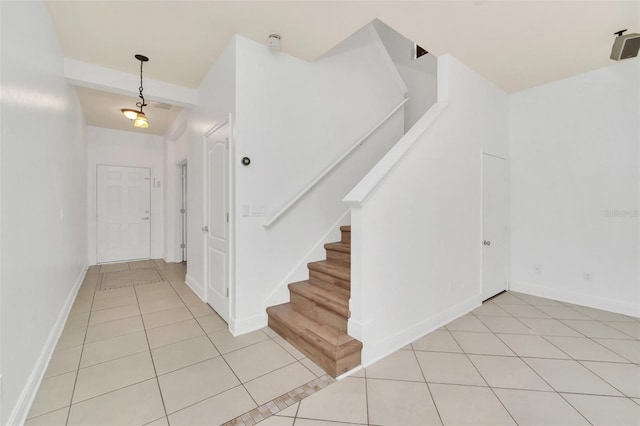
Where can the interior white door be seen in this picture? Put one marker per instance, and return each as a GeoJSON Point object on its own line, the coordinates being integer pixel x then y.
{"type": "Point", "coordinates": [217, 228]}
{"type": "Point", "coordinates": [494, 225]}
{"type": "Point", "coordinates": [123, 213]}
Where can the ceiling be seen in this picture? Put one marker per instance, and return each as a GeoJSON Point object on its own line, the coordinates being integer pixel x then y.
{"type": "Point", "coordinates": [516, 44]}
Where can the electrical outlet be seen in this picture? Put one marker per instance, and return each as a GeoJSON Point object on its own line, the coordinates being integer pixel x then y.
{"type": "Point", "coordinates": [588, 277]}
{"type": "Point", "coordinates": [537, 269]}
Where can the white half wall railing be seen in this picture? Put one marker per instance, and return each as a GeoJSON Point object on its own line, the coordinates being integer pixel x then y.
{"type": "Point", "coordinates": [271, 220]}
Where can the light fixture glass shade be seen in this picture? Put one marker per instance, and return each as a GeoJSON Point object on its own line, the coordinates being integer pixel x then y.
{"type": "Point", "coordinates": [141, 121]}
{"type": "Point", "coordinates": [131, 114]}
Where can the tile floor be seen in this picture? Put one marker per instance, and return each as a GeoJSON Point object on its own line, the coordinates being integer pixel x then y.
{"type": "Point", "coordinates": [139, 347]}
{"type": "Point", "coordinates": [155, 354]}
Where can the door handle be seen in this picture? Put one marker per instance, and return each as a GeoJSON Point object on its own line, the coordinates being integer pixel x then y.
{"type": "Point", "coordinates": [486, 243]}
{"type": "Point", "coordinates": [205, 229]}
{"type": "Point", "coordinates": [145, 218]}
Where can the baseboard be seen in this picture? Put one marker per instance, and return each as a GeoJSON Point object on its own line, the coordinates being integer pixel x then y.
{"type": "Point", "coordinates": [238, 327]}
{"type": "Point", "coordinates": [23, 405]}
{"type": "Point", "coordinates": [195, 286]}
{"type": "Point", "coordinates": [611, 305]}
{"type": "Point", "coordinates": [375, 351]}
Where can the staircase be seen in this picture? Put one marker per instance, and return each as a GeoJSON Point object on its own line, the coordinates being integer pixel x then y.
{"type": "Point", "coordinates": [315, 320]}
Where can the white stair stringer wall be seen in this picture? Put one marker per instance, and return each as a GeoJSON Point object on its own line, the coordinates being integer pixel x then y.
{"type": "Point", "coordinates": [416, 217]}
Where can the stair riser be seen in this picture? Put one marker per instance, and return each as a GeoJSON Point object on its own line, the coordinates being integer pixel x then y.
{"type": "Point", "coordinates": [339, 256]}
{"type": "Point", "coordinates": [327, 364]}
{"type": "Point", "coordinates": [318, 313]}
{"type": "Point", "coordinates": [321, 276]}
{"type": "Point", "coordinates": [346, 237]}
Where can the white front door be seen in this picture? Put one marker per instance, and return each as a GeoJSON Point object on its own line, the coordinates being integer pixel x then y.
{"type": "Point", "coordinates": [217, 228]}
{"type": "Point", "coordinates": [494, 225]}
{"type": "Point", "coordinates": [123, 213]}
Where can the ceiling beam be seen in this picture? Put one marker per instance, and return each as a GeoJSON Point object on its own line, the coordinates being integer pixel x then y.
{"type": "Point", "coordinates": [96, 77]}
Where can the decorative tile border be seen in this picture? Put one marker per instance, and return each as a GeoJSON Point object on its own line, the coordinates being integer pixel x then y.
{"type": "Point", "coordinates": [286, 400]}
{"type": "Point", "coordinates": [105, 283]}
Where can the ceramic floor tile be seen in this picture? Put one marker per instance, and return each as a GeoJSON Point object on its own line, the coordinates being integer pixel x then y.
{"type": "Point", "coordinates": [624, 377]}
{"type": "Point", "coordinates": [278, 382]}
{"type": "Point", "coordinates": [629, 349]}
{"type": "Point", "coordinates": [212, 323]}
{"type": "Point", "coordinates": [111, 267]}
{"type": "Point", "coordinates": [54, 393]}
{"type": "Point", "coordinates": [313, 367]}
{"type": "Point", "coordinates": [441, 367]}
{"type": "Point", "coordinates": [142, 264]}
{"type": "Point", "coordinates": [182, 354]}
{"type": "Point", "coordinates": [530, 408]}
{"type": "Point", "coordinates": [400, 365]}
{"type": "Point", "coordinates": [468, 405]}
{"type": "Point", "coordinates": [293, 351]}
{"type": "Point", "coordinates": [200, 309]}
{"type": "Point", "coordinates": [77, 320]}
{"type": "Point", "coordinates": [134, 405]}
{"type": "Point", "coordinates": [225, 342]}
{"type": "Point", "coordinates": [437, 341]}
{"type": "Point", "coordinates": [311, 422]}
{"type": "Point", "coordinates": [570, 376]}
{"type": "Point", "coordinates": [505, 325]}
{"type": "Point", "coordinates": [54, 418]}
{"type": "Point", "coordinates": [467, 323]}
{"type": "Point", "coordinates": [195, 383]}
{"type": "Point", "coordinates": [64, 361]}
{"type": "Point", "coordinates": [508, 372]}
{"type": "Point", "coordinates": [595, 329]}
{"type": "Point", "coordinates": [163, 421]}
{"type": "Point", "coordinates": [508, 298]}
{"type": "Point", "coordinates": [112, 329]}
{"type": "Point", "coordinates": [582, 348]}
{"type": "Point", "coordinates": [269, 332]}
{"type": "Point", "coordinates": [215, 410]}
{"type": "Point", "coordinates": [535, 300]}
{"type": "Point", "coordinates": [172, 333]}
{"type": "Point", "coordinates": [606, 410]}
{"type": "Point", "coordinates": [277, 421]}
{"type": "Point", "coordinates": [532, 346]}
{"type": "Point", "coordinates": [157, 305]}
{"type": "Point", "coordinates": [549, 327]}
{"type": "Point", "coordinates": [631, 329]}
{"type": "Point", "coordinates": [477, 343]}
{"type": "Point", "coordinates": [116, 347]}
{"type": "Point", "coordinates": [170, 316]}
{"type": "Point", "coordinates": [114, 302]}
{"type": "Point", "coordinates": [108, 376]}
{"type": "Point", "coordinates": [116, 292]}
{"type": "Point", "coordinates": [112, 314]}
{"type": "Point", "coordinates": [601, 315]}
{"type": "Point", "coordinates": [290, 411]}
{"type": "Point", "coordinates": [256, 360]}
{"type": "Point", "coordinates": [155, 291]}
{"type": "Point", "coordinates": [490, 310]}
{"type": "Point", "coordinates": [343, 401]}
{"type": "Point", "coordinates": [563, 312]}
{"type": "Point", "coordinates": [524, 311]}
{"type": "Point", "coordinates": [393, 402]}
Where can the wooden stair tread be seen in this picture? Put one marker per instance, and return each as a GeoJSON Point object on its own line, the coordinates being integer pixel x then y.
{"type": "Point", "coordinates": [345, 228]}
{"type": "Point", "coordinates": [328, 296]}
{"type": "Point", "coordinates": [329, 340]}
{"type": "Point", "coordinates": [341, 247]}
{"type": "Point", "coordinates": [332, 268]}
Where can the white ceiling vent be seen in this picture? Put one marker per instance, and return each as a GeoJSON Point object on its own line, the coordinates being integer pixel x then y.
{"type": "Point", "coordinates": [160, 105]}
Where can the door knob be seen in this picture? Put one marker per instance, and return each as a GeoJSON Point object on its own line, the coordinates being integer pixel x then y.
{"type": "Point", "coordinates": [205, 229]}
{"type": "Point", "coordinates": [486, 243]}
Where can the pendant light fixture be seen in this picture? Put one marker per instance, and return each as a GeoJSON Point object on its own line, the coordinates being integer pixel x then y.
{"type": "Point", "coordinates": [138, 117]}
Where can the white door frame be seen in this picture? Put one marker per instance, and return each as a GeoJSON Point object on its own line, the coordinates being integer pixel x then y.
{"type": "Point", "coordinates": [231, 207]}
{"type": "Point", "coordinates": [507, 223]}
{"type": "Point", "coordinates": [181, 223]}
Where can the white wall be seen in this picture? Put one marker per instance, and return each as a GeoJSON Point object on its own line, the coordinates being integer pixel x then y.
{"type": "Point", "coordinates": [216, 100]}
{"type": "Point", "coordinates": [293, 120]}
{"type": "Point", "coordinates": [575, 162]}
{"type": "Point", "coordinates": [419, 75]}
{"type": "Point", "coordinates": [121, 148]}
{"type": "Point", "coordinates": [416, 231]}
{"type": "Point", "coordinates": [43, 225]}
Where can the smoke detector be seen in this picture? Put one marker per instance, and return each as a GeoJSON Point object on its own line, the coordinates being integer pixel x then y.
{"type": "Point", "coordinates": [273, 42]}
{"type": "Point", "coordinates": [625, 46]}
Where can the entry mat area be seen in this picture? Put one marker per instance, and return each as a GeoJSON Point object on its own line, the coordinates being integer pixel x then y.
{"type": "Point", "coordinates": [146, 273]}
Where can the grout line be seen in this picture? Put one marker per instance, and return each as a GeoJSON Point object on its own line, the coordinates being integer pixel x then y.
{"type": "Point", "coordinates": [415, 355]}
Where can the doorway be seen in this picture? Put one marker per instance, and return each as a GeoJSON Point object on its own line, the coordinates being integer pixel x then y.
{"type": "Point", "coordinates": [494, 225]}
{"type": "Point", "coordinates": [123, 213]}
{"type": "Point", "coordinates": [216, 244]}
{"type": "Point", "coordinates": [182, 199]}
